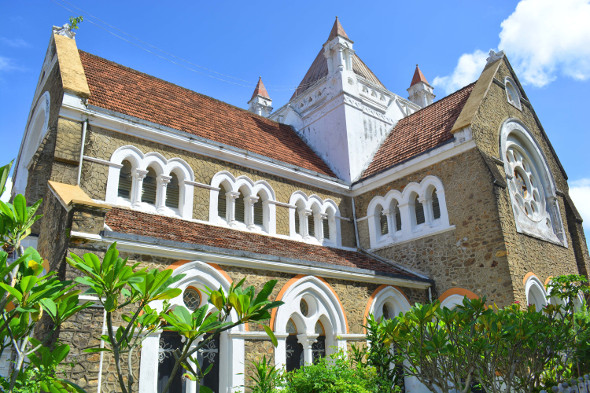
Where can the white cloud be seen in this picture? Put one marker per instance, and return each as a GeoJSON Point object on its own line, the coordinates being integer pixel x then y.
{"type": "Point", "coordinates": [544, 37]}
{"type": "Point", "coordinates": [14, 42]}
{"type": "Point", "coordinates": [467, 70]}
{"type": "Point", "coordinates": [580, 193]}
{"type": "Point", "coordinates": [6, 196]}
{"type": "Point", "coordinates": [6, 64]}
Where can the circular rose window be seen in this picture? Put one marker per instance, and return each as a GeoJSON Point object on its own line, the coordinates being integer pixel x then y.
{"type": "Point", "coordinates": [524, 184]}
{"type": "Point", "coordinates": [191, 298]}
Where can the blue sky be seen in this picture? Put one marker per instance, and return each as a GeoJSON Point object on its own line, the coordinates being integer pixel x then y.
{"type": "Point", "coordinates": [220, 48]}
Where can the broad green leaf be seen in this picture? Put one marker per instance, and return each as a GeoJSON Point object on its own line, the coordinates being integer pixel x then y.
{"type": "Point", "coordinates": [13, 291]}
{"type": "Point", "coordinates": [271, 335]}
{"type": "Point", "coordinates": [20, 208]}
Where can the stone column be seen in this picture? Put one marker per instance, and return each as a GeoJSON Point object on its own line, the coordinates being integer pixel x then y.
{"type": "Point", "coordinates": [163, 181]}
{"type": "Point", "coordinates": [230, 206]}
{"type": "Point", "coordinates": [137, 186]}
{"type": "Point", "coordinates": [306, 342]}
{"type": "Point", "coordinates": [249, 205]}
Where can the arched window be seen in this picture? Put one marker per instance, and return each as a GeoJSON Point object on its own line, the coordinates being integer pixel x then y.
{"type": "Point", "coordinates": [314, 220]}
{"type": "Point", "coordinates": [418, 211]}
{"type": "Point", "coordinates": [259, 211]}
{"type": "Point", "coordinates": [125, 181]}
{"type": "Point", "coordinates": [383, 223]}
{"type": "Point", "coordinates": [240, 208]}
{"type": "Point", "coordinates": [222, 201]}
{"type": "Point", "coordinates": [313, 312]}
{"type": "Point", "coordinates": [150, 187]}
{"type": "Point", "coordinates": [225, 355]}
{"type": "Point", "coordinates": [535, 292]}
{"type": "Point", "coordinates": [435, 205]}
{"type": "Point", "coordinates": [530, 185]}
{"type": "Point", "coordinates": [512, 94]}
{"type": "Point", "coordinates": [173, 192]}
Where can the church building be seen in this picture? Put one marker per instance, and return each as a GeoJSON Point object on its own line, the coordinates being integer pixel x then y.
{"type": "Point", "coordinates": [356, 199]}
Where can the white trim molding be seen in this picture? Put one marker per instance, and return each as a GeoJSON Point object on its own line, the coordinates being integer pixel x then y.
{"type": "Point", "coordinates": [252, 194]}
{"type": "Point", "coordinates": [164, 171]}
{"type": "Point", "coordinates": [303, 209]}
{"type": "Point", "coordinates": [395, 217]}
{"type": "Point", "coordinates": [535, 293]}
{"type": "Point", "coordinates": [199, 275]}
{"type": "Point", "coordinates": [531, 185]}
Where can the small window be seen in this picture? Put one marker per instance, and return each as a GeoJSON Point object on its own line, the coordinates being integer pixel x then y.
{"type": "Point", "coordinates": [383, 223]}
{"type": "Point", "coordinates": [297, 222]}
{"type": "Point", "coordinates": [191, 298]}
{"type": "Point", "coordinates": [311, 225]}
{"type": "Point", "coordinates": [326, 226]}
{"type": "Point", "coordinates": [419, 210]}
{"type": "Point", "coordinates": [150, 185]}
{"type": "Point", "coordinates": [512, 94]}
{"type": "Point", "coordinates": [222, 203]}
{"type": "Point", "coordinates": [240, 209]}
{"type": "Point", "coordinates": [435, 206]}
{"type": "Point", "coordinates": [173, 192]}
{"type": "Point", "coordinates": [125, 181]}
{"type": "Point", "coordinates": [398, 217]}
{"type": "Point", "coordinates": [259, 212]}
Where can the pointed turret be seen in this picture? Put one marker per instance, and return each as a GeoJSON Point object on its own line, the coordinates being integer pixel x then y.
{"type": "Point", "coordinates": [260, 103]}
{"type": "Point", "coordinates": [337, 30]}
{"type": "Point", "coordinates": [421, 93]}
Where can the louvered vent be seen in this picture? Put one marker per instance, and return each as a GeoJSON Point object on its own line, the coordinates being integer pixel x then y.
{"type": "Point", "coordinates": [311, 225]}
{"type": "Point", "coordinates": [239, 212]}
{"type": "Point", "coordinates": [125, 181]}
{"type": "Point", "coordinates": [326, 225]}
{"type": "Point", "coordinates": [383, 224]}
{"type": "Point", "coordinates": [398, 218]}
{"type": "Point", "coordinates": [150, 186]}
{"type": "Point", "coordinates": [258, 212]}
{"type": "Point", "coordinates": [297, 222]}
{"type": "Point", "coordinates": [222, 203]}
{"type": "Point", "coordinates": [173, 192]}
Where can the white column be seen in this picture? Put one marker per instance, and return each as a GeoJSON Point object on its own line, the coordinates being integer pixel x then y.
{"type": "Point", "coordinates": [163, 181]}
{"type": "Point", "coordinates": [428, 214]}
{"type": "Point", "coordinates": [404, 211]}
{"type": "Point", "coordinates": [249, 205]}
{"type": "Point", "coordinates": [137, 186]}
{"type": "Point", "coordinates": [306, 342]}
{"type": "Point", "coordinates": [230, 206]}
{"type": "Point", "coordinates": [148, 367]}
{"type": "Point", "coordinates": [305, 215]}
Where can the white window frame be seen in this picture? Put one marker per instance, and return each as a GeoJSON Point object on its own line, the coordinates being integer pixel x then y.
{"type": "Point", "coordinates": [251, 192]}
{"type": "Point", "coordinates": [323, 306]}
{"type": "Point", "coordinates": [139, 168]}
{"type": "Point", "coordinates": [198, 275]}
{"type": "Point", "coordinates": [535, 293]}
{"type": "Point", "coordinates": [405, 199]}
{"type": "Point", "coordinates": [510, 86]}
{"type": "Point", "coordinates": [313, 207]}
{"type": "Point", "coordinates": [514, 135]}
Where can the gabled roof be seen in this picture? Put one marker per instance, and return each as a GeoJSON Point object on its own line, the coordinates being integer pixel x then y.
{"type": "Point", "coordinates": [418, 77]}
{"type": "Point", "coordinates": [319, 70]}
{"type": "Point", "coordinates": [420, 132]}
{"type": "Point", "coordinates": [228, 241]}
{"type": "Point", "coordinates": [260, 90]}
{"type": "Point", "coordinates": [130, 92]}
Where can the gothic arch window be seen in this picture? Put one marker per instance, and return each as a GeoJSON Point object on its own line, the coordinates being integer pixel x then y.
{"type": "Point", "coordinates": [125, 181]}
{"type": "Point", "coordinates": [535, 292]}
{"type": "Point", "coordinates": [247, 204]}
{"type": "Point", "coordinates": [150, 182]}
{"type": "Point", "coordinates": [387, 302]}
{"type": "Point", "coordinates": [225, 354]}
{"type": "Point", "coordinates": [419, 210]}
{"type": "Point", "coordinates": [318, 324]}
{"type": "Point", "coordinates": [454, 297]}
{"type": "Point", "coordinates": [531, 185]}
{"type": "Point", "coordinates": [314, 220]}
{"type": "Point", "coordinates": [512, 93]}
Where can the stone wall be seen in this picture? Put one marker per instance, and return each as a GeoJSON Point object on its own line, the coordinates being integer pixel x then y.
{"type": "Point", "coordinates": [472, 255]}
{"type": "Point", "coordinates": [526, 253]}
{"type": "Point", "coordinates": [101, 143]}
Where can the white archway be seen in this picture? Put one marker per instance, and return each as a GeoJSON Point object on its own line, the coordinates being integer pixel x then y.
{"type": "Point", "coordinates": [325, 215]}
{"type": "Point", "coordinates": [322, 305]}
{"type": "Point", "coordinates": [198, 275]}
{"type": "Point", "coordinates": [535, 293]}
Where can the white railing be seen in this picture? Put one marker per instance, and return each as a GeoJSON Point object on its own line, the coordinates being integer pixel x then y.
{"type": "Point", "coordinates": [581, 385]}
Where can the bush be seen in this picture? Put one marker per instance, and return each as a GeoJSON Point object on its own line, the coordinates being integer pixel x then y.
{"type": "Point", "coordinates": [335, 374]}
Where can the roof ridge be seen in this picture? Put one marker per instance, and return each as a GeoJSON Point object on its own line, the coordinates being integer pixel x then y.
{"type": "Point", "coordinates": [182, 87]}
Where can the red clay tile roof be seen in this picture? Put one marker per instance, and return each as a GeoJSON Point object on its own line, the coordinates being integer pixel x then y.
{"type": "Point", "coordinates": [173, 229]}
{"type": "Point", "coordinates": [418, 77]}
{"type": "Point", "coordinates": [419, 132]}
{"type": "Point", "coordinates": [124, 90]}
{"type": "Point", "coordinates": [337, 30]}
{"type": "Point", "coordinates": [260, 90]}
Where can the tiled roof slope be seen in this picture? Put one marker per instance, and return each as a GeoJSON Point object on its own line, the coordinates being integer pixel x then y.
{"type": "Point", "coordinates": [130, 92]}
{"type": "Point", "coordinates": [319, 69]}
{"type": "Point", "coordinates": [133, 222]}
{"type": "Point", "coordinates": [419, 132]}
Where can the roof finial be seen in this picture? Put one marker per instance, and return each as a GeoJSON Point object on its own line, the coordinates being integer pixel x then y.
{"type": "Point", "coordinates": [337, 30]}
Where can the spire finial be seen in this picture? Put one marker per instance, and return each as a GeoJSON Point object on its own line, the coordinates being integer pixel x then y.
{"type": "Point", "coordinates": [337, 30]}
{"type": "Point", "coordinates": [418, 77]}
